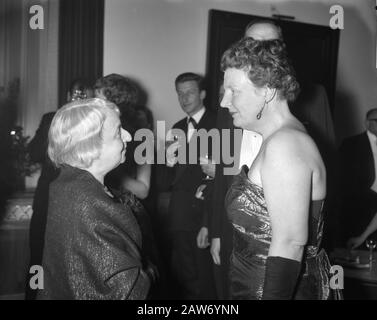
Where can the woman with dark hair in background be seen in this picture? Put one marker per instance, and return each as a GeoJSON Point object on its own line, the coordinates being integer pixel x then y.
{"type": "Point", "coordinates": [275, 206]}
{"type": "Point", "coordinates": [121, 91]}
{"type": "Point", "coordinates": [37, 148]}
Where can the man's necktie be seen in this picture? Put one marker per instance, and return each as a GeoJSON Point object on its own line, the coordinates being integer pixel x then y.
{"type": "Point", "coordinates": [191, 128]}
{"type": "Point", "coordinates": [193, 122]}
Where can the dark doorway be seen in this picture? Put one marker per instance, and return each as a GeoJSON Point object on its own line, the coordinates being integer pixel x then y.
{"type": "Point", "coordinates": [313, 50]}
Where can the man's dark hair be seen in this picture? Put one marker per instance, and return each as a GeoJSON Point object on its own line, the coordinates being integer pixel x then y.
{"type": "Point", "coordinates": [190, 76]}
{"type": "Point", "coordinates": [370, 112]}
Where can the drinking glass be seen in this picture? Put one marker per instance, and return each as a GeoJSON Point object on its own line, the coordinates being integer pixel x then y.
{"type": "Point", "coordinates": [371, 245]}
{"type": "Point", "coordinates": [207, 176]}
{"type": "Point", "coordinates": [170, 142]}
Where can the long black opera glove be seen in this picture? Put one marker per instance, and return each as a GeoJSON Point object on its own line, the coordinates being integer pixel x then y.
{"type": "Point", "coordinates": [280, 279]}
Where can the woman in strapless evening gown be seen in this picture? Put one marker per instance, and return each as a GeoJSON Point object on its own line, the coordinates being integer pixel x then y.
{"type": "Point", "coordinates": [275, 206]}
{"type": "Point", "coordinates": [248, 212]}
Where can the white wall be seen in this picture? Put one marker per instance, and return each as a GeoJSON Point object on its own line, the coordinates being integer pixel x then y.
{"type": "Point", "coordinates": [154, 40]}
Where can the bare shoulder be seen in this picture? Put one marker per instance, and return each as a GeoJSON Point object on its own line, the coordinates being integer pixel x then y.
{"type": "Point", "coordinates": [292, 145]}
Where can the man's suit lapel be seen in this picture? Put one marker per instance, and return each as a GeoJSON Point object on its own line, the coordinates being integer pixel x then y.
{"type": "Point", "coordinates": [369, 155]}
{"type": "Point", "coordinates": [181, 167]}
{"type": "Point", "coordinates": [203, 121]}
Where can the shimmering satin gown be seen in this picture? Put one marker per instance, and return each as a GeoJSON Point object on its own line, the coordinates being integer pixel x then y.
{"type": "Point", "coordinates": [248, 213]}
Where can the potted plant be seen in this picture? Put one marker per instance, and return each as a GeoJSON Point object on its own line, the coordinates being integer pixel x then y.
{"type": "Point", "coordinates": [21, 163]}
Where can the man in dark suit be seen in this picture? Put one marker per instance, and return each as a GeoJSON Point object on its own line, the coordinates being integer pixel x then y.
{"type": "Point", "coordinates": [191, 265]}
{"type": "Point", "coordinates": [358, 155]}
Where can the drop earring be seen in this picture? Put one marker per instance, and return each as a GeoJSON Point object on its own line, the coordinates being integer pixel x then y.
{"type": "Point", "coordinates": [259, 115]}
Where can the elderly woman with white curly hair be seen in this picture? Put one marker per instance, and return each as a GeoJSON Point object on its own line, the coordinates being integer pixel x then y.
{"type": "Point", "coordinates": [92, 242]}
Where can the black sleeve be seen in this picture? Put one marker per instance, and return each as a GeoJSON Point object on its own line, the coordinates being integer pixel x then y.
{"type": "Point", "coordinates": [218, 217]}
{"type": "Point", "coordinates": [217, 214]}
{"type": "Point", "coordinates": [207, 206]}
{"type": "Point", "coordinates": [38, 145]}
{"type": "Point", "coordinates": [280, 278]}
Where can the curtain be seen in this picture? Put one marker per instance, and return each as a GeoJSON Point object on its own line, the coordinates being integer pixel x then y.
{"type": "Point", "coordinates": [10, 44]}
{"type": "Point", "coordinates": [80, 42]}
{"type": "Point", "coordinates": [39, 65]}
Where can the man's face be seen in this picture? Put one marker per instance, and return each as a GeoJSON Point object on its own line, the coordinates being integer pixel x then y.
{"type": "Point", "coordinates": [190, 97]}
{"type": "Point", "coordinates": [262, 31]}
{"type": "Point", "coordinates": [372, 123]}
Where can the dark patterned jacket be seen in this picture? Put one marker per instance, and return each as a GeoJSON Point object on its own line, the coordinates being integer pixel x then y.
{"type": "Point", "coordinates": [92, 243]}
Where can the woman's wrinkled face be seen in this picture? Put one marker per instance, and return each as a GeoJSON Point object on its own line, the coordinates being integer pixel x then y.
{"type": "Point", "coordinates": [243, 99]}
{"type": "Point", "coordinates": [114, 139]}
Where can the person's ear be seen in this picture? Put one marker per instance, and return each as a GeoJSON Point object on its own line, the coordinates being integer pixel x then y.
{"type": "Point", "coordinates": [367, 124]}
{"type": "Point", "coordinates": [203, 94]}
{"type": "Point", "coordinates": [262, 92]}
{"type": "Point", "coordinates": [270, 94]}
